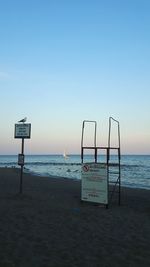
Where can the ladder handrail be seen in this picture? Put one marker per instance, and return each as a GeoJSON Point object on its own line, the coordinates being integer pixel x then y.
{"type": "Point", "coordinates": [109, 134]}
{"type": "Point", "coordinates": [83, 124]}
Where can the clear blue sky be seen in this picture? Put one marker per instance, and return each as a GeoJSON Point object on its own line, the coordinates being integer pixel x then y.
{"type": "Point", "coordinates": [64, 61]}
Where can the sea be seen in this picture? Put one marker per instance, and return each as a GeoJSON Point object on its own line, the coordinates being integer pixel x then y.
{"type": "Point", "coordinates": [135, 169]}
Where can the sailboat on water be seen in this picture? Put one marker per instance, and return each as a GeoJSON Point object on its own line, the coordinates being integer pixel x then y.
{"type": "Point", "coordinates": [65, 155]}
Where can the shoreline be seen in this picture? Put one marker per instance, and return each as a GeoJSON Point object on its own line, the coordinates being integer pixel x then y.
{"type": "Point", "coordinates": [47, 225]}
{"type": "Point", "coordinates": [134, 170]}
{"type": "Point", "coordinates": [38, 174]}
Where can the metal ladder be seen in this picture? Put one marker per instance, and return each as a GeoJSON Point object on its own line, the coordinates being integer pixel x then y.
{"type": "Point", "coordinates": [114, 184]}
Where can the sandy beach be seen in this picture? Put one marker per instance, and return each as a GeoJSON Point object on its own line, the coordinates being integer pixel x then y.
{"type": "Point", "coordinates": [48, 226]}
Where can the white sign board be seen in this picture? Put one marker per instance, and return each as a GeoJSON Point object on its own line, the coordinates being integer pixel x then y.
{"type": "Point", "coordinates": [94, 183]}
{"type": "Point", "coordinates": [22, 130]}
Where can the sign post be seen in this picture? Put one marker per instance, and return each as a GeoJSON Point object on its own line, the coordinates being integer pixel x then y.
{"type": "Point", "coordinates": [22, 131]}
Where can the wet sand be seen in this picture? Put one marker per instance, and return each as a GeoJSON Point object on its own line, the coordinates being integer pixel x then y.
{"type": "Point", "coordinates": [48, 226]}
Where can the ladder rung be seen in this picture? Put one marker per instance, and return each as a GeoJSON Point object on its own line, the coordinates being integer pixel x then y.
{"type": "Point", "coordinates": [113, 164]}
{"type": "Point", "coordinates": [111, 182]}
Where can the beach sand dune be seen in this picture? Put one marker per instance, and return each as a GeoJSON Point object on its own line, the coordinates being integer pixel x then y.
{"type": "Point", "coordinates": [48, 226]}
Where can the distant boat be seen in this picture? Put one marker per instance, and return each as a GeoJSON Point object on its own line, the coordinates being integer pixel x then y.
{"type": "Point", "coordinates": [65, 155]}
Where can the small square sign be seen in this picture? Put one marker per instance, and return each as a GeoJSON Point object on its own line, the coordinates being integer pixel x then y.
{"type": "Point", "coordinates": [21, 159]}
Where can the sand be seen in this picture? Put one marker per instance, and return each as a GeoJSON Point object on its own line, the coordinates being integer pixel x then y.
{"type": "Point", "coordinates": [48, 226]}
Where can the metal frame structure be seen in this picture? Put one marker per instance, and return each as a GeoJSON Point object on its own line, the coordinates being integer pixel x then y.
{"type": "Point", "coordinates": [114, 169]}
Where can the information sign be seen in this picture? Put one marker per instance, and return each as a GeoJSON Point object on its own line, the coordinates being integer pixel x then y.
{"type": "Point", "coordinates": [22, 130]}
{"type": "Point", "coordinates": [21, 159]}
{"type": "Point", "coordinates": [94, 183]}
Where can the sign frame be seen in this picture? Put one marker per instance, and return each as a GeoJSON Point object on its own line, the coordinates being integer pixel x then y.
{"type": "Point", "coordinates": [22, 130]}
{"type": "Point", "coordinates": [94, 184]}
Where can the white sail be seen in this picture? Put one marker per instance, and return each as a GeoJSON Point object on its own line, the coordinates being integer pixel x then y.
{"type": "Point", "coordinates": [65, 155]}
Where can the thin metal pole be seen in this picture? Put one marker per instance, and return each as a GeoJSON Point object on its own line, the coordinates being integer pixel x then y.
{"type": "Point", "coordinates": [21, 174]}
{"type": "Point", "coordinates": [95, 134]}
{"type": "Point", "coordinates": [95, 154]}
{"type": "Point", "coordinates": [82, 142]}
{"type": "Point", "coordinates": [119, 178]}
{"type": "Point", "coordinates": [82, 138]}
{"type": "Point", "coordinates": [119, 154]}
{"type": "Point", "coordinates": [109, 132]}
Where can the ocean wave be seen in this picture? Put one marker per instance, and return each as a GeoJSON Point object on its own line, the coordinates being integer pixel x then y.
{"type": "Point", "coordinates": [42, 163]}
{"type": "Point", "coordinates": [39, 163]}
